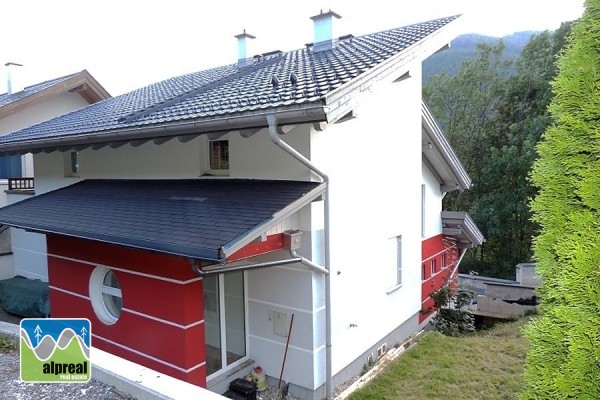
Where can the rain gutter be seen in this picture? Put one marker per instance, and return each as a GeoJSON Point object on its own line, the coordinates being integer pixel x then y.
{"type": "Point", "coordinates": [297, 114]}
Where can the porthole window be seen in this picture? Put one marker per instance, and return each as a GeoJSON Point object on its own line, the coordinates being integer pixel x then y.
{"type": "Point", "coordinates": [105, 294]}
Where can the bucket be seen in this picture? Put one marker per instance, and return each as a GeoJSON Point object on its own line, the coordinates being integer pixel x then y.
{"type": "Point", "coordinates": [259, 378]}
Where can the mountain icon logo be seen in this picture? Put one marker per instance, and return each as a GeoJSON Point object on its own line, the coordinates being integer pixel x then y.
{"type": "Point", "coordinates": [55, 350]}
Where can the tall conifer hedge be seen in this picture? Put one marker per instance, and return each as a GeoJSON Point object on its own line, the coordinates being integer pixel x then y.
{"type": "Point", "coordinates": [564, 358]}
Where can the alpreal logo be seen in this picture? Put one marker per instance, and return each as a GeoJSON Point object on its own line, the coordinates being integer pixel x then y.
{"type": "Point", "coordinates": [55, 350]}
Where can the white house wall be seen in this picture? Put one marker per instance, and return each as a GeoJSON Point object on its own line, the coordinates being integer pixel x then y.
{"type": "Point", "coordinates": [37, 113]}
{"type": "Point", "coordinates": [374, 163]}
{"type": "Point", "coordinates": [42, 111]}
{"type": "Point", "coordinates": [432, 204]}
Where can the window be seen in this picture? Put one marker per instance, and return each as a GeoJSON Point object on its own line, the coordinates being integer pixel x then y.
{"type": "Point", "coordinates": [219, 155]}
{"type": "Point", "coordinates": [433, 266]}
{"type": "Point", "coordinates": [423, 272]}
{"type": "Point", "coordinates": [422, 210]}
{"type": "Point", "coordinates": [398, 260]}
{"type": "Point", "coordinates": [444, 265]}
{"type": "Point", "coordinates": [11, 167]}
{"type": "Point", "coordinates": [224, 320]}
{"type": "Point", "coordinates": [71, 163]}
{"type": "Point", "coordinates": [105, 294]}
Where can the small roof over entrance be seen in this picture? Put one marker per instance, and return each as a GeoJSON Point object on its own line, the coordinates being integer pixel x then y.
{"type": "Point", "coordinates": [460, 225]}
{"type": "Point", "coordinates": [206, 219]}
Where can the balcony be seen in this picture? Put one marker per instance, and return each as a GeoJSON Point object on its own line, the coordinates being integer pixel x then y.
{"type": "Point", "coordinates": [20, 184]}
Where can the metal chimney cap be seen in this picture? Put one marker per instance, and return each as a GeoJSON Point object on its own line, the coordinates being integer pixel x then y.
{"type": "Point", "coordinates": [328, 14]}
{"type": "Point", "coordinates": [245, 35]}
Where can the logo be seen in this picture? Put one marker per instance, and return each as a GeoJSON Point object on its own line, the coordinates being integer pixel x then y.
{"type": "Point", "coordinates": [55, 350]}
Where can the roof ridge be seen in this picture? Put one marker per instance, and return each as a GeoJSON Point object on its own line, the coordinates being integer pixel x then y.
{"type": "Point", "coordinates": [204, 88]}
{"type": "Point", "coordinates": [60, 78]}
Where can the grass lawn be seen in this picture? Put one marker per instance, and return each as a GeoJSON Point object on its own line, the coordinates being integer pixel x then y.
{"type": "Point", "coordinates": [485, 365]}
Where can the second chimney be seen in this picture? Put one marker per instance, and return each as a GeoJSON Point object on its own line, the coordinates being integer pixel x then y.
{"type": "Point", "coordinates": [243, 44]}
{"type": "Point", "coordinates": [323, 25]}
{"type": "Point", "coordinates": [11, 87]}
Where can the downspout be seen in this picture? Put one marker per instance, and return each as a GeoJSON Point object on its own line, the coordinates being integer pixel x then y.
{"type": "Point", "coordinates": [273, 134]}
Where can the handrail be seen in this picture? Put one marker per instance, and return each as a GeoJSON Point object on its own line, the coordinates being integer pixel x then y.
{"type": "Point", "coordinates": [21, 184]}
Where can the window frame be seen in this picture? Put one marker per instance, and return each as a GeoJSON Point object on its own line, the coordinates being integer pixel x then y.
{"type": "Point", "coordinates": [399, 272]}
{"type": "Point", "coordinates": [97, 290]}
{"type": "Point", "coordinates": [222, 310]}
{"type": "Point", "coordinates": [218, 169]}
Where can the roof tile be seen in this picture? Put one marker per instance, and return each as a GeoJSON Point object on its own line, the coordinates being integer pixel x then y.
{"type": "Point", "coordinates": [192, 218]}
{"type": "Point", "coordinates": [231, 90]}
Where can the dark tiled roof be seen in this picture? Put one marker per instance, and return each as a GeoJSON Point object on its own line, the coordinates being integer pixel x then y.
{"type": "Point", "coordinates": [229, 90]}
{"type": "Point", "coordinates": [192, 218]}
{"type": "Point", "coordinates": [6, 99]}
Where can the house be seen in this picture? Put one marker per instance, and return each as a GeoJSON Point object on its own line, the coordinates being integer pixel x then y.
{"type": "Point", "coordinates": [23, 107]}
{"type": "Point", "coordinates": [276, 205]}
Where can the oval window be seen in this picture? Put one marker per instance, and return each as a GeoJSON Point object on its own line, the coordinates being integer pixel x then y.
{"type": "Point", "coordinates": [105, 294]}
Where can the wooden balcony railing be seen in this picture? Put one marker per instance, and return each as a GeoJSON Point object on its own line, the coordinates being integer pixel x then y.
{"type": "Point", "coordinates": [20, 184]}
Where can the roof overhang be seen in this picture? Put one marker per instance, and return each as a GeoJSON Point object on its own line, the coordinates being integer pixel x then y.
{"type": "Point", "coordinates": [460, 226]}
{"type": "Point", "coordinates": [205, 219]}
{"type": "Point", "coordinates": [161, 133]}
{"type": "Point", "coordinates": [82, 83]}
{"type": "Point", "coordinates": [439, 156]}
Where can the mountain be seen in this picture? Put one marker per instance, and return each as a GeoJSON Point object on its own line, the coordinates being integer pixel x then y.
{"type": "Point", "coordinates": [465, 47]}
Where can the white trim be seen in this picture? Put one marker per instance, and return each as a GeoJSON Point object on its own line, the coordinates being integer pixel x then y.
{"type": "Point", "coordinates": [163, 321]}
{"type": "Point", "coordinates": [292, 208]}
{"type": "Point", "coordinates": [69, 292]}
{"type": "Point", "coordinates": [268, 303]}
{"type": "Point", "coordinates": [291, 346]}
{"type": "Point", "coordinates": [139, 353]}
{"type": "Point", "coordinates": [222, 325]}
{"type": "Point", "coordinates": [436, 254]}
{"type": "Point", "coordinates": [223, 371]}
{"type": "Point", "coordinates": [128, 271]}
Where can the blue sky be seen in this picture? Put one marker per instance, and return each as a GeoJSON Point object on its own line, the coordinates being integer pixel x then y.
{"type": "Point", "coordinates": [128, 44]}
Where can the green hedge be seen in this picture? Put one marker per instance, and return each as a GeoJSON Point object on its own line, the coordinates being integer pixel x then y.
{"type": "Point", "coordinates": [564, 357]}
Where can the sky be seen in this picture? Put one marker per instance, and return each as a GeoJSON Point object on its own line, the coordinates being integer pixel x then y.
{"type": "Point", "coordinates": [127, 44]}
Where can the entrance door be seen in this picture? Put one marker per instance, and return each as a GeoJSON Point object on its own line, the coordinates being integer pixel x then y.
{"type": "Point", "coordinates": [224, 320]}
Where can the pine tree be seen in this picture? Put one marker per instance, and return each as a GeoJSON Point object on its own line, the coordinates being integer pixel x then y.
{"type": "Point", "coordinates": [564, 357]}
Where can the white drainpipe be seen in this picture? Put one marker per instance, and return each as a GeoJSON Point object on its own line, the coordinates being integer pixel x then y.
{"type": "Point", "coordinates": [273, 133]}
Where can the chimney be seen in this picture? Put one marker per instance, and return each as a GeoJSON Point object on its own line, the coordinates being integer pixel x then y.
{"type": "Point", "coordinates": [323, 24]}
{"type": "Point", "coordinates": [243, 44]}
{"type": "Point", "coordinates": [9, 78]}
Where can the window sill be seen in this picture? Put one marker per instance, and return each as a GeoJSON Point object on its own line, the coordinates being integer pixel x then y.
{"type": "Point", "coordinates": [393, 289]}
{"type": "Point", "coordinates": [217, 172]}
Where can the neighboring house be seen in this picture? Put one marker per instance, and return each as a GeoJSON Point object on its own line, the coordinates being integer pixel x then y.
{"type": "Point", "coordinates": [23, 108]}
{"type": "Point", "coordinates": [211, 210]}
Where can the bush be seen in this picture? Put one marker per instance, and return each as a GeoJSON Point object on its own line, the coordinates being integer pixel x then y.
{"type": "Point", "coordinates": [451, 318]}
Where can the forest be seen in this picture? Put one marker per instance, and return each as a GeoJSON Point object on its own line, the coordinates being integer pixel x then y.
{"type": "Point", "coordinates": [494, 110]}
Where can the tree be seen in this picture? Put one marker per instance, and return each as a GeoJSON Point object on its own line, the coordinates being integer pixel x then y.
{"type": "Point", "coordinates": [493, 120]}
{"type": "Point", "coordinates": [564, 357]}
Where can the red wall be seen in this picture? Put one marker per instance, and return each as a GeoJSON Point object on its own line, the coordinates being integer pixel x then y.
{"type": "Point", "coordinates": [162, 321]}
{"type": "Point", "coordinates": [438, 249]}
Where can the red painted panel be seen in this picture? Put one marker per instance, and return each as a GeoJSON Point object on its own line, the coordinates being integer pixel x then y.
{"type": "Point", "coordinates": [273, 243]}
{"type": "Point", "coordinates": [118, 256]}
{"type": "Point", "coordinates": [434, 248]}
{"type": "Point", "coordinates": [69, 275]}
{"type": "Point", "coordinates": [64, 305]}
{"type": "Point", "coordinates": [196, 377]}
{"type": "Point", "coordinates": [179, 303]}
{"type": "Point", "coordinates": [162, 341]}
